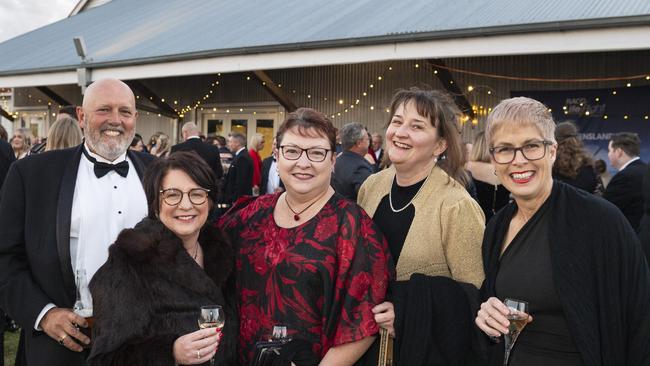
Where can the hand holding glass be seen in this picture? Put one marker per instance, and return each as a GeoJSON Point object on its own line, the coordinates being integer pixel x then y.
{"type": "Point", "coordinates": [212, 316]}
{"type": "Point", "coordinates": [518, 317]}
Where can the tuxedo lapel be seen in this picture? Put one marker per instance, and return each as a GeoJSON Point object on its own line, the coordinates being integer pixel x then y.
{"type": "Point", "coordinates": [63, 221]}
{"type": "Point", "coordinates": [137, 163]}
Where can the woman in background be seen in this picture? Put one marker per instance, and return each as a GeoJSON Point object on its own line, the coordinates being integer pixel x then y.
{"type": "Point", "coordinates": [256, 145]}
{"type": "Point", "coordinates": [573, 165]}
{"type": "Point", "coordinates": [20, 143]}
{"type": "Point", "coordinates": [162, 147]}
{"type": "Point", "coordinates": [491, 194]}
{"type": "Point", "coordinates": [64, 133]}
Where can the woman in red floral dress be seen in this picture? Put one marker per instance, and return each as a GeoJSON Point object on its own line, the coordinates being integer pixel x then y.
{"type": "Point", "coordinates": [308, 258]}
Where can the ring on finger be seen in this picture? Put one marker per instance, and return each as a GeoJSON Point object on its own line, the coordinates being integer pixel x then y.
{"type": "Point", "coordinates": [62, 339]}
{"type": "Point", "coordinates": [198, 354]}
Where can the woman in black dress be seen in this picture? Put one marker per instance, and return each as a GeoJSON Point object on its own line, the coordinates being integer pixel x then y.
{"type": "Point", "coordinates": [572, 256]}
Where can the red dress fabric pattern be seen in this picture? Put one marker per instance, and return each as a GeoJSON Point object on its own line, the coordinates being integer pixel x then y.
{"type": "Point", "coordinates": [320, 279]}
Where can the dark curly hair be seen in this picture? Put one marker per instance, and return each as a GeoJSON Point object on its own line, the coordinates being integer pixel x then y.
{"type": "Point", "coordinates": [571, 153]}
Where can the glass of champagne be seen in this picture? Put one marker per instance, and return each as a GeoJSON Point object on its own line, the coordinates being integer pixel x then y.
{"type": "Point", "coordinates": [212, 316]}
{"type": "Point", "coordinates": [518, 318]}
{"type": "Point", "coordinates": [83, 305]}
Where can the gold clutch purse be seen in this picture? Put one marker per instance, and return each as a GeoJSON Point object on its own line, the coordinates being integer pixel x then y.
{"type": "Point", "coordinates": [385, 348]}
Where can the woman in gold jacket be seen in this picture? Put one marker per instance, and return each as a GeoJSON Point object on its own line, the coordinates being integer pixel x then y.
{"type": "Point", "coordinates": [431, 223]}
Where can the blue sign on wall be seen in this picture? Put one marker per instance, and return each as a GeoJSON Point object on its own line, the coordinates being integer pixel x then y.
{"type": "Point", "coordinates": [600, 112]}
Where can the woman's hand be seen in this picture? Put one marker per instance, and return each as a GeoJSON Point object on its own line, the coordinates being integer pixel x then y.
{"type": "Point", "coordinates": [385, 316]}
{"type": "Point", "coordinates": [197, 347]}
{"type": "Point", "coordinates": [491, 318]}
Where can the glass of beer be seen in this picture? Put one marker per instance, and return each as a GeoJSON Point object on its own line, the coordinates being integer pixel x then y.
{"type": "Point", "coordinates": [212, 316]}
{"type": "Point", "coordinates": [518, 318]}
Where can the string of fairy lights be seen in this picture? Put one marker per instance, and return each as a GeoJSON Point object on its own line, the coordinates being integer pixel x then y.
{"type": "Point", "coordinates": [340, 106]}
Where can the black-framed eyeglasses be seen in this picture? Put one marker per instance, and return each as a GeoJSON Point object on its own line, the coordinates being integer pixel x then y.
{"type": "Point", "coordinates": [315, 154]}
{"type": "Point", "coordinates": [532, 151]}
{"type": "Point", "coordinates": [174, 196]}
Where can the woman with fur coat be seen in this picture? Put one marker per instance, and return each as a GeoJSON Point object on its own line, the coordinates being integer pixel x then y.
{"type": "Point", "coordinates": [148, 294]}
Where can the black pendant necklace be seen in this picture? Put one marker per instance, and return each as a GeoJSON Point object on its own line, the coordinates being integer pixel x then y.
{"type": "Point", "coordinates": [296, 214]}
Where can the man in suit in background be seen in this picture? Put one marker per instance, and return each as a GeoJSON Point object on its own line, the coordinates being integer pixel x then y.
{"type": "Point", "coordinates": [625, 188]}
{"type": "Point", "coordinates": [377, 147]}
{"type": "Point", "coordinates": [271, 182]}
{"type": "Point", "coordinates": [239, 181]}
{"type": "Point", "coordinates": [59, 212]}
{"type": "Point", "coordinates": [351, 168]}
{"type": "Point", "coordinates": [209, 153]}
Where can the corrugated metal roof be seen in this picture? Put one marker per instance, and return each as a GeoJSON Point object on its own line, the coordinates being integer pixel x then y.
{"type": "Point", "coordinates": [155, 30]}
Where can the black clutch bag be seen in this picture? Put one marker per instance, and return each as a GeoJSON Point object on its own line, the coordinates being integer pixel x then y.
{"type": "Point", "coordinates": [267, 352]}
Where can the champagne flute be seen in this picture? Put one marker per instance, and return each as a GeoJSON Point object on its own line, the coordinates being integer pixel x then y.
{"type": "Point", "coordinates": [83, 305]}
{"type": "Point", "coordinates": [518, 317]}
{"type": "Point", "coordinates": [212, 316]}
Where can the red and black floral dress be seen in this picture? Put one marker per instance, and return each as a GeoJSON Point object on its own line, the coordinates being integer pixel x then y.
{"type": "Point", "coordinates": [321, 279]}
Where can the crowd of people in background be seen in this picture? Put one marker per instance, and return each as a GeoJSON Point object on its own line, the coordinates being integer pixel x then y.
{"type": "Point", "coordinates": [337, 236]}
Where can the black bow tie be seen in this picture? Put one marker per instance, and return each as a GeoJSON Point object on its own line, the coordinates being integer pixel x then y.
{"type": "Point", "coordinates": [101, 169]}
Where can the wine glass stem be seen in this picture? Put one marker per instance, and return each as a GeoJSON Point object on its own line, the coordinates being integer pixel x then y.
{"type": "Point", "coordinates": [506, 356]}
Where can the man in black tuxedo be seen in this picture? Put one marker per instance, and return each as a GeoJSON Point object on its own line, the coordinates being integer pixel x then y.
{"type": "Point", "coordinates": [625, 188]}
{"type": "Point", "coordinates": [239, 181]}
{"type": "Point", "coordinates": [209, 153]}
{"type": "Point", "coordinates": [351, 168]}
{"type": "Point", "coordinates": [271, 182]}
{"type": "Point", "coordinates": [59, 212]}
{"type": "Point", "coordinates": [6, 158]}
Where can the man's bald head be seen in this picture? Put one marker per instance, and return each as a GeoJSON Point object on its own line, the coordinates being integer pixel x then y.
{"type": "Point", "coordinates": [190, 129]}
{"type": "Point", "coordinates": [108, 116]}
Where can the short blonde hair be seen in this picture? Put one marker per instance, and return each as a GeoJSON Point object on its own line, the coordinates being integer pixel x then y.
{"type": "Point", "coordinates": [520, 111]}
{"type": "Point", "coordinates": [63, 134]}
{"type": "Point", "coordinates": [255, 139]}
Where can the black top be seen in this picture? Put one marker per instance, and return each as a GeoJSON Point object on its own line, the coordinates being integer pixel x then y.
{"type": "Point", "coordinates": [395, 225]}
{"type": "Point", "coordinates": [527, 260]}
{"type": "Point", "coordinates": [491, 201]}
{"type": "Point", "coordinates": [587, 180]}
{"type": "Point", "coordinates": [599, 272]}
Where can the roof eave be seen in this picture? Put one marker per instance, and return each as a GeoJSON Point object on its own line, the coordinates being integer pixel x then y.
{"type": "Point", "coordinates": [583, 24]}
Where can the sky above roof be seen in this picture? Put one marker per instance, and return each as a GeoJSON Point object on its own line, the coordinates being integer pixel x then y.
{"type": "Point", "coordinates": [21, 16]}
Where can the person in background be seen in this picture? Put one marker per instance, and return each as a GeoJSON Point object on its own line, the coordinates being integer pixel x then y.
{"type": "Point", "coordinates": [152, 142]}
{"type": "Point", "coordinates": [271, 182]}
{"type": "Point", "coordinates": [64, 133]}
{"type": "Point", "coordinates": [351, 168]}
{"type": "Point", "coordinates": [224, 153]}
{"type": "Point", "coordinates": [626, 187]}
{"type": "Point", "coordinates": [417, 203]}
{"type": "Point", "coordinates": [20, 143]}
{"type": "Point", "coordinates": [148, 294]}
{"type": "Point", "coordinates": [573, 257]}
{"type": "Point", "coordinates": [239, 180]}
{"type": "Point", "coordinates": [491, 194]}
{"type": "Point", "coordinates": [573, 165]}
{"type": "Point", "coordinates": [162, 148]}
{"type": "Point", "coordinates": [209, 153]}
{"type": "Point", "coordinates": [137, 144]}
{"type": "Point", "coordinates": [378, 148]}
{"type": "Point", "coordinates": [307, 258]}
{"type": "Point", "coordinates": [603, 174]}
{"type": "Point", "coordinates": [256, 145]}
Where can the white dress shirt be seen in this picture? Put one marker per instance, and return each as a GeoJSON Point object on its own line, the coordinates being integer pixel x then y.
{"type": "Point", "coordinates": [629, 162]}
{"type": "Point", "coordinates": [274, 178]}
{"type": "Point", "coordinates": [101, 208]}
